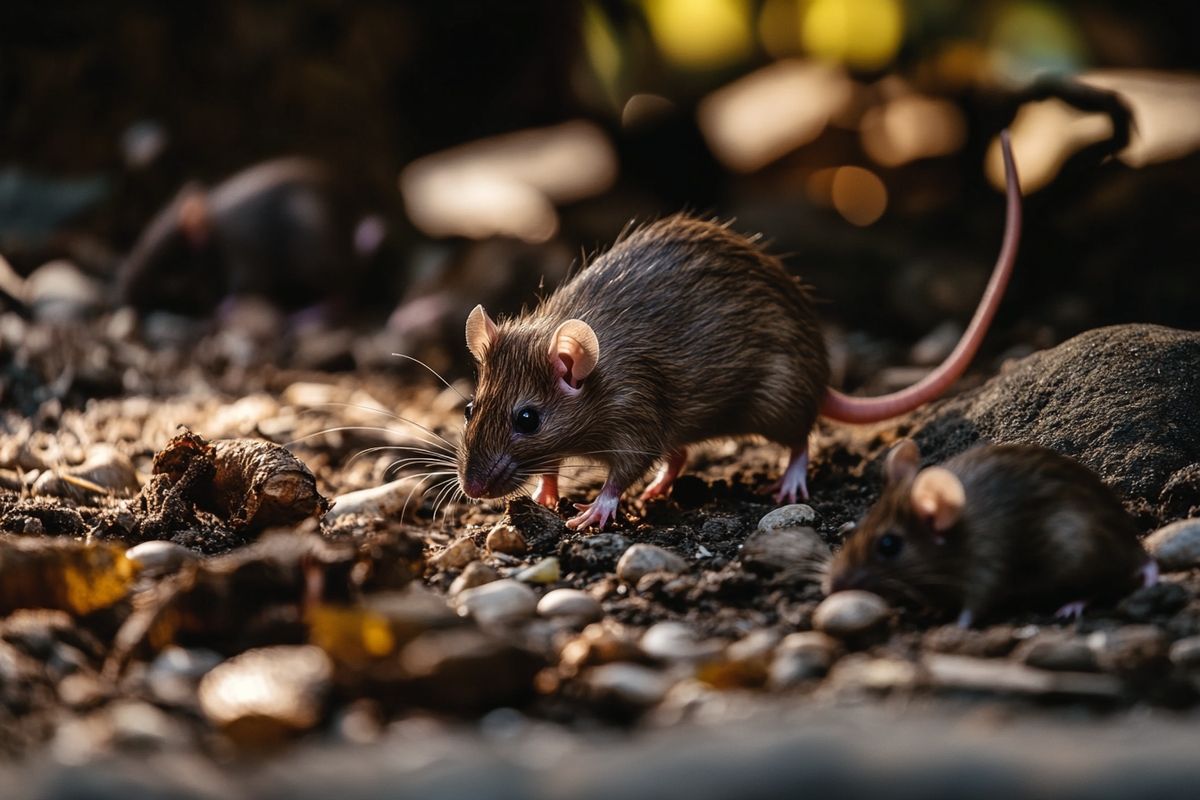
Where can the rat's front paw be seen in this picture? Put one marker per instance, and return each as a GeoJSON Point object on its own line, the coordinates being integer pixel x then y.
{"type": "Point", "coordinates": [597, 513]}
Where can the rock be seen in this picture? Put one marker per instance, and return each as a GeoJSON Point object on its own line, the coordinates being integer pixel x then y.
{"type": "Point", "coordinates": [498, 602]}
{"type": "Point", "coordinates": [1186, 652]}
{"type": "Point", "coordinates": [474, 574]}
{"type": "Point", "coordinates": [140, 726]}
{"type": "Point", "coordinates": [1067, 399]}
{"type": "Point", "coordinates": [106, 472]}
{"type": "Point", "coordinates": [1130, 648]}
{"type": "Point", "coordinates": [784, 549]}
{"type": "Point", "coordinates": [675, 641]}
{"type": "Point", "coordinates": [801, 657]}
{"type": "Point", "coordinates": [157, 557]}
{"type": "Point", "coordinates": [964, 673]}
{"type": "Point", "coordinates": [851, 613]}
{"type": "Point", "coordinates": [573, 603]}
{"type": "Point", "coordinates": [543, 572]}
{"type": "Point", "coordinates": [175, 672]}
{"type": "Point", "coordinates": [467, 671]}
{"type": "Point", "coordinates": [642, 559]}
{"type": "Point", "coordinates": [81, 690]}
{"type": "Point", "coordinates": [797, 515]}
{"type": "Point", "coordinates": [1162, 599]}
{"type": "Point", "coordinates": [396, 500]}
{"type": "Point", "coordinates": [755, 646]}
{"type": "Point", "coordinates": [1070, 654]}
{"type": "Point", "coordinates": [1176, 547]}
{"type": "Point", "coordinates": [504, 538]}
{"type": "Point", "coordinates": [59, 292]}
{"type": "Point", "coordinates": [599, 643]}
{"type": "Point", "coordinates": [861, 673]}
{"type": "Point", "coordinates": [631, 684]}
{"type": "Point", "coordinates": [267, 694]}
{"type": "Point", "coordinates": [597, 553]}
{"type": "Point", "coordinates": [457, 555]}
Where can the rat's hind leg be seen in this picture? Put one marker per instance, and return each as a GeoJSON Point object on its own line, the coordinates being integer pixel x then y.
{"type": "Point", "coordinates": [672, 466]}
{"type": "Point", "coordinates": [794, 482]}
{"type": "Point", "coordinates": [546, 493]}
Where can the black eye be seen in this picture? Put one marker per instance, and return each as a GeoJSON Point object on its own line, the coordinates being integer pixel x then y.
{"type": "Point", "coordinates": [526, 420]}
{"type": "Point", "coordinates": [889, 545]}
{"type": "Point", "coordinates": [469, 411]}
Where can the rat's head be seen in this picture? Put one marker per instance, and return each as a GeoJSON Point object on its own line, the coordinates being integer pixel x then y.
{"type": "Point", "coordinates": [905, 544]}
{"type": "Point", "coordinates": [530, 401]}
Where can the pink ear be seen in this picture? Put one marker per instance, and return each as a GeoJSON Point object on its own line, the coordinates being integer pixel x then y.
{"type": "Point", "coordinates": [902, 461]}
{"type": "Point", "coordinates": [938, 496]}
{"type": "Point", "coordinates": [481, 332]}
{"type": "Point", "coordinates": [574, 352]}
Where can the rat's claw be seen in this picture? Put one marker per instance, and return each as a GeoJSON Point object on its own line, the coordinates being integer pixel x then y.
{"type": "Point", "coordinates": [1071, 610]}
{"type": "Point", "coordinates": [597, 513]}
{"type": "Point", "coordinates": [795, 478]}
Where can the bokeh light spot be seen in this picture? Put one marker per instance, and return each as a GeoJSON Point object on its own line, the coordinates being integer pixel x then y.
{"type": "Point", "coordinates": [858, 195]}
{"type": "Point", "coordinates": [865, 34]}
{"type": "Point", "coordinates": [701, 34]}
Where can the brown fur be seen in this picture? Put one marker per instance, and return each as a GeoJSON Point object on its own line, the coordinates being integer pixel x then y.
{"type": "Point", "coordinates": [743, 354]}
{"type": "Point", "coordinates": [1038, 529]}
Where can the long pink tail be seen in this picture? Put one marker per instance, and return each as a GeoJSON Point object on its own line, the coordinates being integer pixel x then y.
{"type": "Point", "coordinates": [844, 408]}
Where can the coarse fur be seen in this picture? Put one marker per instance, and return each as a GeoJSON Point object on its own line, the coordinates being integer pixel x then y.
{"type": "Point", "coordinates": [742, 355]}
{"type": "Point", "coordinates": [1036, 530]}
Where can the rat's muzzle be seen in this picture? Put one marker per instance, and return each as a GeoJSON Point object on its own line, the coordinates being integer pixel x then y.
{"type": "Point", "coordinates": [480, 481]}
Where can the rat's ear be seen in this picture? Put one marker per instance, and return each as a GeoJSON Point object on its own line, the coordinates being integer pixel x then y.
{"type": "Point", "coordinates": [938, 496]}
{"type": "Point", "coordinates": [574, 351]}
{"type": "Point", "coordinates": [902, 461]}
{"type": "Point", "coordinates": [481, 332]}
{"type": "Point", "coordinates": [194, 219]}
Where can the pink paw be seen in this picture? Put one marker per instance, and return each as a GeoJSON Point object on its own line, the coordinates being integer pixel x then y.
{"type": "Point", "coordinates": [597, 513]}
{"type": "Point", "coordinates": [1071, 610]}
{"type": "Point", "coordinates": [658, 488]}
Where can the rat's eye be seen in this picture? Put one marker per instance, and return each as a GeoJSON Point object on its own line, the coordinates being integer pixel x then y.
{"type": "Point", "coordinates": [526, 420]}
{"type": "Point", "coordinates": [469, 411]}
{"type": "Point", "coordinates": [889, 545]}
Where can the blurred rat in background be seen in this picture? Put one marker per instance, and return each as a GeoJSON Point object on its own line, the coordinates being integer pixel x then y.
{"type": "Point", "coordinates": [997, 526]}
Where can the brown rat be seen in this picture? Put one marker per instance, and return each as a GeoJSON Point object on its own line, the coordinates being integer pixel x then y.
{"type": "Point", "coordinates": [998, 525]}
{"type": "Point", "coordinates": [683, 331]}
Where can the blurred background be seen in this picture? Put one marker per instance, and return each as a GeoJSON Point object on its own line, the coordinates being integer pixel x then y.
{"type": "Point", "coordinates": [445, 154]}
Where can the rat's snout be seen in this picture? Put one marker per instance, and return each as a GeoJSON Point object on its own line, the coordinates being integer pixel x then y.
{"type": "Point", "coordinates": [841, 580]}
{"type": "Point", "coordinates": [488, 478]}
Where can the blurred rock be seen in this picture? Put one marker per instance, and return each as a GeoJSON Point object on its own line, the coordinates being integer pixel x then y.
{"type": "Point", "coordinates": [641, 559]}
{"type": "Point", "coordinates": [466, 671]}
{"type": "Point", "coordinates": [797, 515]}
{"type": "Point", "coordinates": [544, 572]}
{"type": "Point", "coordinates": [504, 538]}
{"type": "Point", "coordinates": [157, 558]}
{"type": "Point", "coordinates": [573, 604]}
{"type": "Point", "coordinates": [850, 614]}
{"type": "Point", "coordinates": [457, 555]}
{"type": "Point", "coordinates": [676, 641]}
{"type": "Point", "coordinates": [1060, 654]}
{"type": "Point", "coordinates": [1176, 547]}
{"type": "Point", "coordinates": [174, 675]}
{"type": "Point", "coordinates": [498, 602]}
{"type": "Point", "coordinates": [1186, 652]}
{"type": "Point", "coordinates": [60, 292]}
{"type": "Point", "coordinates": [800, 657]}
{"type": "Point", "coordinates": [600, 643]}
{"type": "Point", "coordinates": [474, 574]}
{"type": "Point", "coordinates": [963, 673]}
{"type": "Point", "coordinates": [630, 684]}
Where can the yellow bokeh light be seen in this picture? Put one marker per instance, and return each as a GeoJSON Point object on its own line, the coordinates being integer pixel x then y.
{"type": "Point", "coordinates": [701, 34]}
{"type": "Point", "coordinates": [858, 195]}
{"type": "Point", "coordinates": [865, 34]}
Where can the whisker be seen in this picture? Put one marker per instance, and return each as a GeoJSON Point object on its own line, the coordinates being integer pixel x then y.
{"type": "Point", "coordinates": [391, 415]}
{"type": "Point", "coordinates": [432, 372]}
{"type": "Point", "coordinates": [416, 486]}
{"type": "Point", "coordinates": [431, 454]}
{"type": "Point", "coordinates": [340, 428]}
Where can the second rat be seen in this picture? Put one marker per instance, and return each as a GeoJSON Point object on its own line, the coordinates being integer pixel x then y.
{"type": "Point", "coordinates": [684, 331]}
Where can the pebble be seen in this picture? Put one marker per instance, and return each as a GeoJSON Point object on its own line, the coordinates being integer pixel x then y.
{"type": "Point", "coordinates": [1176, 547]}
{"type": "Point", "coordinates": [395, 499]}
{"type": "Point", "coordinates": [504, 538]}
{"type": "Point", "coordinates": [497, 602]}
{"type": "Point", "coordinates": [174, 673]}
{"type": "Point", "coordinates": [797, 515]}
{"type": "Point", "coordinates": [675, 641]}
{"type": "Point", "coordinates": [474, 574]}
{"type": "Point", "coordinates": [850, 613]}
{"type": "Point", "coordinates": [1058, 654]}
{"type": "Point", "coordinates": [267, 693]}
{"type": "Point", "coordinates": [543, 572]}
{"type": "Point", "coordinates": [1130, 648]}
{"type": "Point", "coordinates": [801, 657]}
{"type": "Point", "coordinates": [781, 549]}
{"type": "Point", "coordinates": [58, 291]}
{"type": "Point", "coordinates": [642, 559]}
{"type": "Point", "coordinates": [573, 603]}
{"type": "Point", "coordinates": [457, 555]}
{"type": "Point", "coordinates": [861, 672]}
{"type": "Point", "coordinates": [964, 673]}
{"type": "Point", "coordinates": [755, 645]}
{"type": "Point", "coordinates": [158, 557]}
{"type": "Point", "coordinates": [138, 725]}
{"type": "Point", "coordinates": [632, 684]}
{"type": "Point", "coordinates": [599, 643]}
{"type": "Point", "coordinates": [1186, 652]}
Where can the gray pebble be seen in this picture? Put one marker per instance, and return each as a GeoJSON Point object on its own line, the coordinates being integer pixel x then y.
{"type": "Point", "coordinates": [798, 515]}
{"type": "Point", "coordinates": [629, 683]}
{"type": "Point", "coordinates": [642, 559]}
{"type": "Point", "coordinates": [573, 603]}
{"type": "Point", "coordinates": [474, 574]}
{"type": "Point", "coordinates": [457, 555]}
{"type": "Point", "coordinates": [675, 641]}
{"type": "Point", "coordinates": [801, 657]}
{"type": "Point", "coordinates": [1186, 652]}
{"type": "Point", "coordinates": [160, 557]}
{"type": "Point", "coordinates": [1176, 547]}
{"type": "Point", "coordinates": [850, 613]}
{"type": "Point", "coordinates": [498, 602]}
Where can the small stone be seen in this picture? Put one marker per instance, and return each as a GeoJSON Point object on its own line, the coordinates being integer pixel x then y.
{"type": "Point", "coordinates": [781, 549]}
{"type": "Point", "coordinates": [1130, 648]}
{"type": "Point", "coordinates": [642, 559]}
{"type": "Point", "coordinates": [267, 694]}
{"type": "Point", "coordinates": [1176, 547]}
{"type": "Point", "coordinates": [497, 602]}
{"type": "Point", "coordinates": [457, 555]}
{"type": "Point", "coordinates": [572, 603]}
{"type": "Point", "coordinates": [964, 673]}
{"type": "Point", "coordinates": [504, 538]}
{"type": "Point", "coordinates": [58, 291]}
{"type": "Point", "coordinates": [797, 515]}
{"type": "Point", "coordinates": [1058, 654]}
{"type": "Point", "coordinates": [141, 726]}
{"type": "Point", "coordinates": [1186, 652]}
{"type": "Point", "coordinates": [865, 673]}
{"type": "Point", "coordinates": [543, 572]}
{"type": "Point", "coordinates": [474, 574]}
{"type": "Point", "coordinates": [159, 557]}
{"type": "Point", "coordinates": [850, 613]}
{"type": "Point", "coordinates": [599, 643]}
{"type": "Point", "coordinates": [81, 690]}
{"type": "Point", "coordinates": [801, 657]}
{"type": "Point", "coordinates": [174, 674]}
{"type": "Point", "coordinates": [631, 684]}
{"type": "Point", "coordinates": [754, 646]}
{"type": "Point", "coordinates": [675, 641]}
